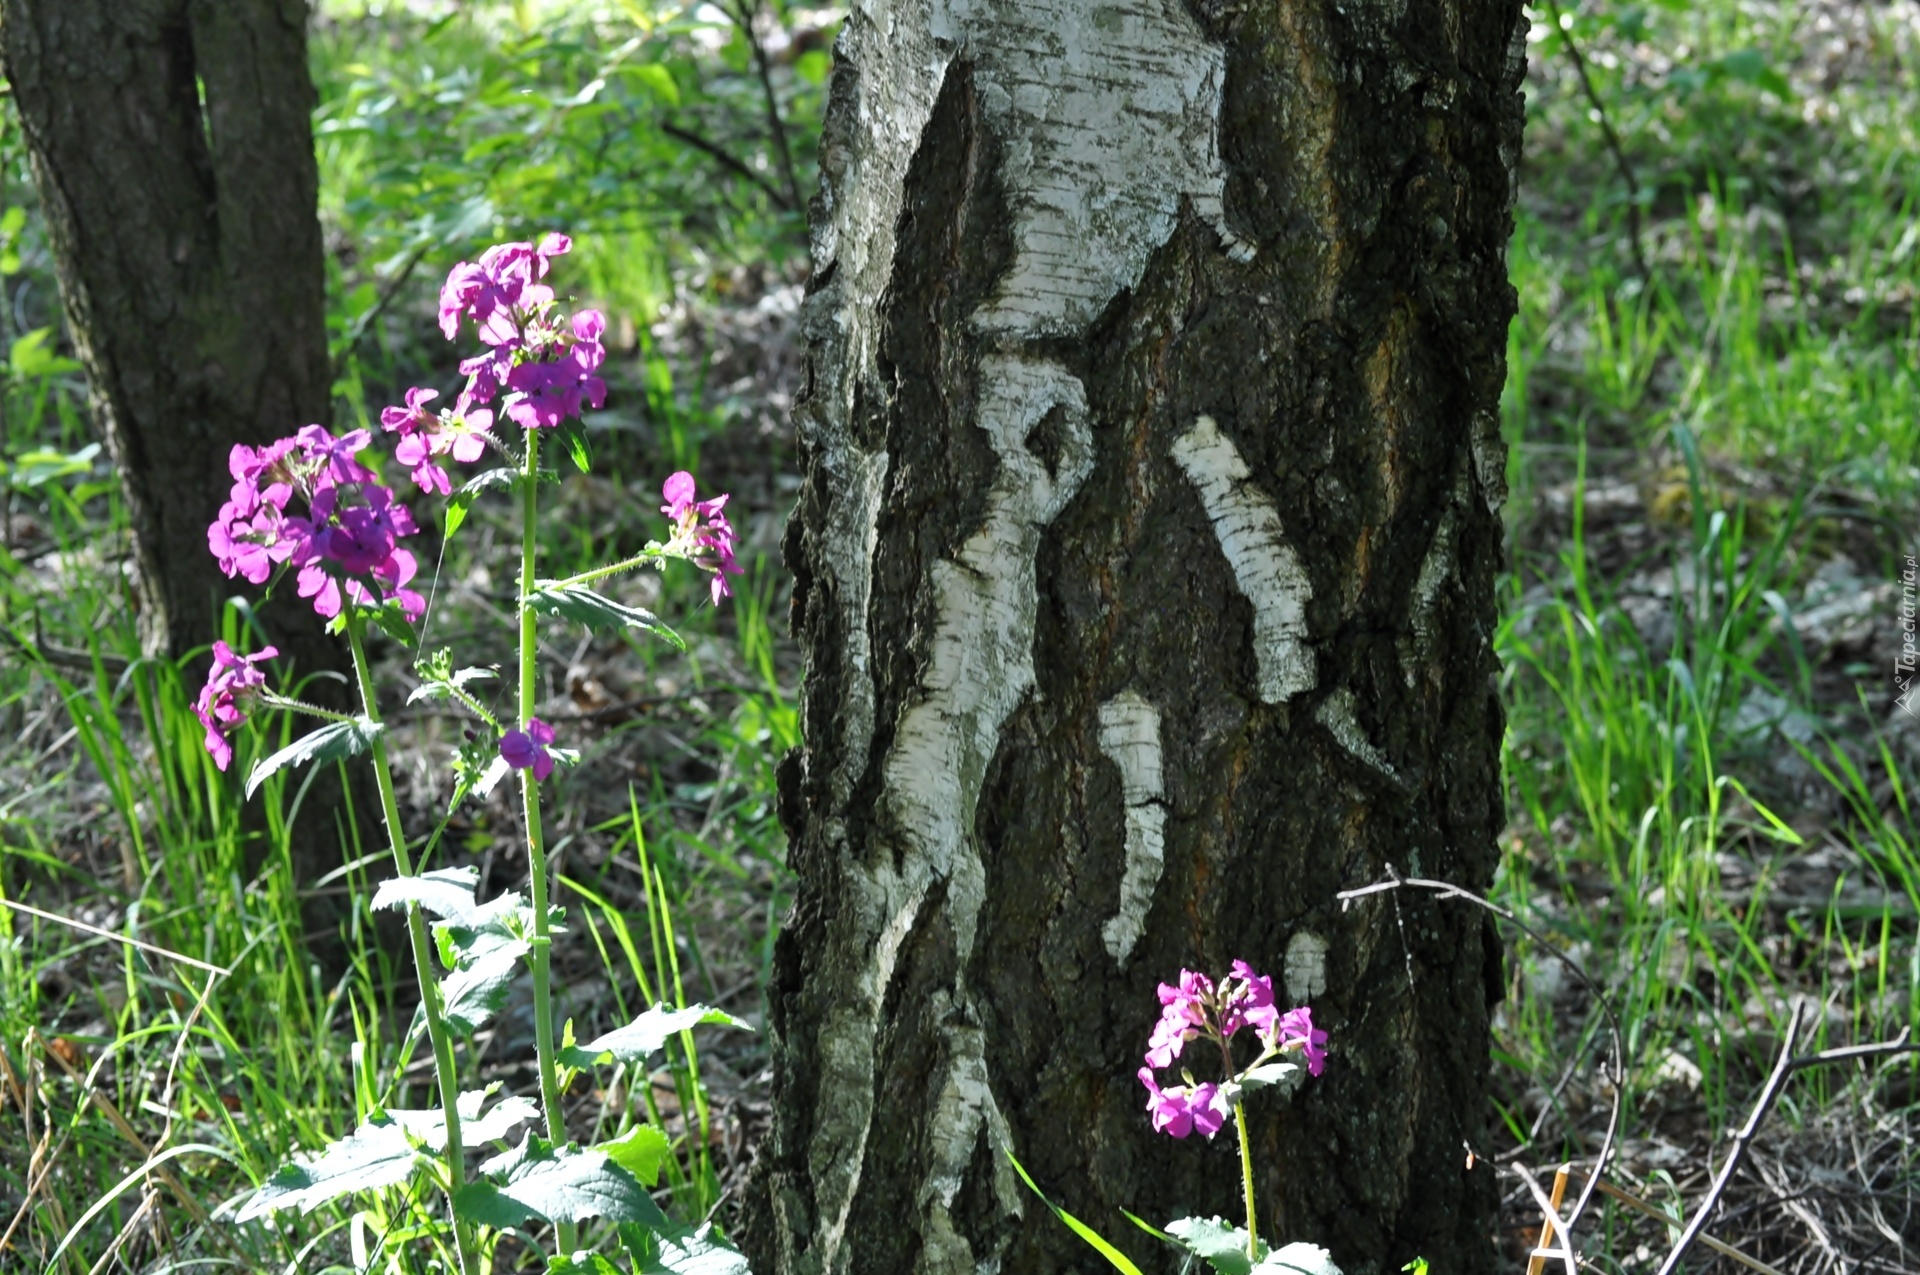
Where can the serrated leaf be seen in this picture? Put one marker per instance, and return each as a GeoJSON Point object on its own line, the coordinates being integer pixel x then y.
{"type": "Point", "coordinates": [581, 1263]}
{"type": "Point", "coordinates": [430, 1126]}
{"type": "Point", "coordinates": [566, 1184]}
{"type": "Point", "coordinates": [391, 618]}
{"type": "Point", "coordinates": [1298, 1258]}
{"type": "Point", "coordinates": [446, 893]}
{"type": "Point", "coordinates": [442, 688]}
{"type": "Point", "coordinates": [641, 1152]}
{"type": "Point", "coordinates": [499, 923]}
{"type": "Point", "coordinates": [1221, 1246]}
{"type": "Point", "coordinates": [1270, 1074]}
{"type": "Point", "coordinates": [475, 993]}
{"type": "Point", "coordinates": [335, 741]}
{"type": "Point", "coordinates": [645, 1035]}
{"type": "Point", "coordinates": [377, 1154]}
{"type": "Point", "coordinates": [469, 491]}
{"type": "Point", "coordinates": [678, 1251]}
{"type": "Point", "coordinates": [598, 612]}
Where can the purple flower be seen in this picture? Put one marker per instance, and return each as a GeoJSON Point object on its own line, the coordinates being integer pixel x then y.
{"type": "Point", "coordinates": [523, 748]}
{"type": "Point", "coordinates": [501, 289]}
{"type": "Point", "coordinates": [1183, 1016]}
{"type": "Point", "coordinates": [550, 388]}
{"type": "Point", "coordinates": [224, 700]}
{"type": "Point", "coordinates": [1247, 1001]}
{"type": "Point", "coordinates": [349, 532]}
{"type": "Point", "coordinates": [701, 533]}
{"type": "Point", "coordinates": [1295, 1030]}
{"type": "Point", "coordinates": [1180, 1109]}
{"type": "Point", "coordinates": [460, 433]}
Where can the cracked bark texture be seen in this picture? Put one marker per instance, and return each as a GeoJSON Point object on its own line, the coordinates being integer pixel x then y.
{"type": "Point", "coordinates": [171, 144]}
{"type": "Point", "coordinates": [1145, 566]}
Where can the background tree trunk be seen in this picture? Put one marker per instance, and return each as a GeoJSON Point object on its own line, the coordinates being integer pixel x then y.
{"type": "Point", "coordinates": [1145, 571]}
{"type": "Point", "coordinates": [171, 143]}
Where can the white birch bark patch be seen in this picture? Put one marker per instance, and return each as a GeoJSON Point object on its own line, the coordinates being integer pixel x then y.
{"type": "Point", "coordinates": [1265, 566]}
{"type": "Point", "coordinates": [1130, 737]}
{"type": "Point", "coordinates": [1108, 116]}
{"type": "Point", "coordinates": [1337, 714]}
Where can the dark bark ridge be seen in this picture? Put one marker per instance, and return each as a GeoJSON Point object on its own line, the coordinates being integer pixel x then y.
{"type": "Point", "coordinates": [171, 142]}
{"type": "Point", "coordinates": [1338, 322]}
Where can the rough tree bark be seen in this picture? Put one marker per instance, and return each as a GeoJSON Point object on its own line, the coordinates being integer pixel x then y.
{"type": "Point", "coordinates": [1145, 568]}
{"type": "Point", "coordinates": [172, 146]}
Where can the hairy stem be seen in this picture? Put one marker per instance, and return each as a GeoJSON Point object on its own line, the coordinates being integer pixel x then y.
{"type": "Point", "coordinates": [1246, 1178]}
{"type": "Point", "coordinates": [540, 959]}
{"type": "Point", "coordinates": [437, 1032]}
{"type": "Point", "coordinates": [652, 553]}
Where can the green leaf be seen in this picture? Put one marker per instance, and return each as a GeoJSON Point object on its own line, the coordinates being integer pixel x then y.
{"type": "Point", "coordinates": [565, 1184]}
{"type": "Point", "coordinates": [574, 435]}
{"type": "Point", "coordinates": [38, 468]}
{"type": "Point", "coordinates": [429, 1126]}
{"type": "Point", "coordinates": [678, 1251]}
{"type": "Point", "coordinates": [813, 66]}
{"type": "Point", "coordinates": [391, 618]}
{"type": "Point", "coordinates": [377, 1154]}
{"type": "Point", "coordinates": [1303, 1259]}
{"type": "Point", "coordinates": [475, 993]}
{"type": "Point", "coordinates": [584, 606]}
{"type": "Point", "coordinates": [645, 1035]}
{"type": "Point", "coordinates": [1270, 1074]}
{"type": "Point", "coordinates": [30, 358]}
{"type": "Point", "coordinates": [581, 1263]}
{"type": "Point", "coordinates": [501, 478]}
{"type": "Point", "coordinates": [493, 926]}
{"type": "Point", "coordinates": [1752, 66]}
{"type": "Point", "coordinates": [641, 1152]}
{"type": "Point", "coordinates": [1221, 1246]}
{"type": "Point", "coordinates": [446, 893]}
{"type": "Point", "coordinates": [658, 80]}
{"type": "Point", "coordinates": [1114, 1256]}
{"type": "Point", "coordinates": [336, 741]}
{"type": "Point", "coordinates": [440, 684]}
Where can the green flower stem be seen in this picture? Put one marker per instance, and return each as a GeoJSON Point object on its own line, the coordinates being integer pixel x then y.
{"type": "Point", "coordinates": [540, 958]}
{"type": "Point", "coordinates": [652, 553]}
{"type": "Point", "coordinates": [1246, 1178]}
{"type": "Point", "coordinates": [437, 1032]}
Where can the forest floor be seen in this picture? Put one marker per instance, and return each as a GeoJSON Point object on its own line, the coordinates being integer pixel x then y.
{"type": "Point", "coordinates": [1715, 471]}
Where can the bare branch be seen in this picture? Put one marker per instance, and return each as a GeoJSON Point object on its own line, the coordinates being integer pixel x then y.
{"type": "Point", "coordinates": [728, 161]}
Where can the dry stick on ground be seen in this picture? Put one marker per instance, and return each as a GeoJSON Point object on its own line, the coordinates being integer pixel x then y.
{"type": "Point", "coordinates": [1561, 28]}
{"type": "Point", "coordinates": [1611, 1191]}
{"type": "Point", "coordinates": [1448, 890]}
{"type": "Point", "coordinates": [1538, 1261]}
{"type": "Point", "coordinates": [1783, 1069]}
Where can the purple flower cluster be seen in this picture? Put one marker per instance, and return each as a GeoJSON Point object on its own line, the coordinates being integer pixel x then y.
{"type": "Point", "coordinates": [701, 533]}
{"type": "Point", "coordinates": [224, 700]}
{"type": "Point", "coordinates": [543, 366]}
{"type": "Point", "coordinates": [426, 435]}
{"type": "Point", "coordinates": [523, 748]}
{"type": "Point", "coordinates": [1196, 1008]}
{"type": "Point", "coordinates": [345, 542]}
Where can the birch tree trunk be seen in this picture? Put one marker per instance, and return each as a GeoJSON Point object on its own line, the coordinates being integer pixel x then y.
{"type": "Point", "coordinates": [1145, 568]}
